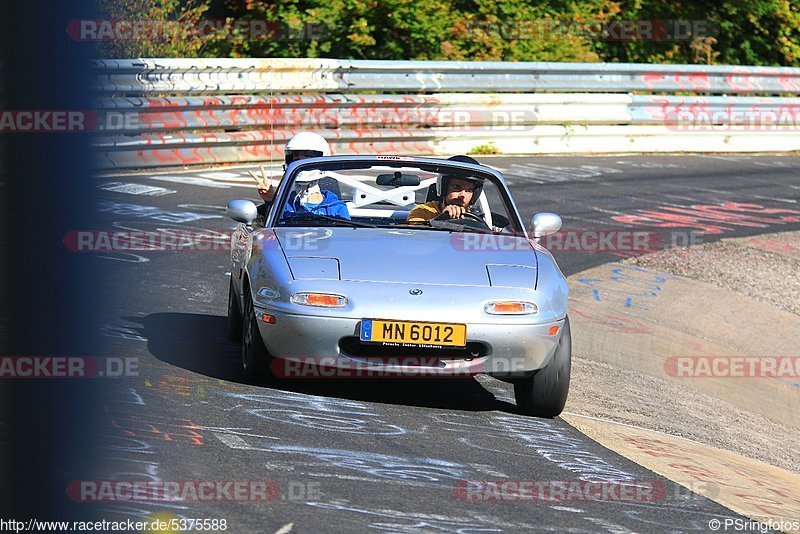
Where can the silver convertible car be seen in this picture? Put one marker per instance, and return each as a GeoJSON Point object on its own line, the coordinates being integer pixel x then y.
{"type": "Point", "coordinates": [338, 276]}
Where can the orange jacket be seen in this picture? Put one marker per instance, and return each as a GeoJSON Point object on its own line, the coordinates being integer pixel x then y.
{"type": "Point", "coordinates": [424, 212]}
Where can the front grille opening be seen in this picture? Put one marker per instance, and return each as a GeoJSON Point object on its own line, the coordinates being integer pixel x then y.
{"type": "Point", "coordinates": [352, 346]}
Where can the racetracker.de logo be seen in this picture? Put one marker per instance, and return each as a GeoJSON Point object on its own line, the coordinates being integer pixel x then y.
{"type": "Point", "coordinates": [68, 120]}
{"type": "Point", "coordinates": [559, 491]}
{"type": "Point", "coordinates": [216, 29]}
{"type": "Point", "coordinates": [52, 120]}
{"type": "Point", "coordinates": [703, 118]}
{"type": "Point", "coordinates": [387, 367]}
{"type": "Point", "coordinates": [67, 367]}
{"type": "Point", "coordinates": [596, 30]}
{"type": "Point", "coordinates": [147, 241]}
{"type": "Point", "coordinates": [176, 490]}
{"type": "Point", "coordinates": [417, 112]}
{"type": "Point", "coordinates": [581, 241]}
{"type": "Point", "coordinates": [733, 366]}
{"type": "Point", "coordinates": [176, 240]}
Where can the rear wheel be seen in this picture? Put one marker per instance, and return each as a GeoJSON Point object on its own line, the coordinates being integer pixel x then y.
{"type": "Point", "coordinates": [544, 393]}
{"type": "Point", "coordinates": [255, 358]}
{"type": "Point", "coordinates": [234, 315]}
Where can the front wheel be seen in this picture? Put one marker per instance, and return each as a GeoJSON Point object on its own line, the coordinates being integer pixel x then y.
{"type": "Point", "coordinates": [544, 393]}
{"type": "Point", "coordinates": [255, 358]}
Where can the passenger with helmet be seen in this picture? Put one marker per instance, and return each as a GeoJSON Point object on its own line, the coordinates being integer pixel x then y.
{"type": "Point", "coordinates": [313, 198]}
{"type": "Point", "coordinates": [310, 198]}
{"type": "Point", "coordinates": [456, 195]}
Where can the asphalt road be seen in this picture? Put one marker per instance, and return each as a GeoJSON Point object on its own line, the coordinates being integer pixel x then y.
{"type": "Point", "coordinates": [357, 456]}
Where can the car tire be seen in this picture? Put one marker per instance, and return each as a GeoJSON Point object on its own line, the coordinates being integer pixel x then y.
{"type": "Point", "coordinates": [234, 315]}
{"type": "Point", "coordinates": [544, 393]}
{"type": "Point", "coordinates": [256, 359]}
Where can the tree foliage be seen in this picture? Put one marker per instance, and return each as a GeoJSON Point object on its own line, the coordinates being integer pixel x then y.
{"type": "Point", "coordinates": [744, 32]}
{"type": "Point", "coordinates": [736, 32]}
{"type": "Point", "coordinates": [166, 28]}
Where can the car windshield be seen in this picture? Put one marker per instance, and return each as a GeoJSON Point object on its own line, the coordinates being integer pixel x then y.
{"type": "Point", "coordinates": [362, 194]}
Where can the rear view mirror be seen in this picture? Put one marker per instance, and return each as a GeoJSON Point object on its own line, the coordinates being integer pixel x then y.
{"type": "Point", "coordinates": [545, 224]}
{"type": "Point", "coordinates": [397, 179]}
{"type": "Point", "coordinates": [243, 211]}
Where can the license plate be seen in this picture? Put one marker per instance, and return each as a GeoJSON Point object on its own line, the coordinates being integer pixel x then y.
{"type": "Point", "coordinates": [414, 333]}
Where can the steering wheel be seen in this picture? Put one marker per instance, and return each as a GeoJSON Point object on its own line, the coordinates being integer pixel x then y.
{"type": "Point", "coordinates": [470, 219]}
{"type": "Point", "coordinates": [475, 217]}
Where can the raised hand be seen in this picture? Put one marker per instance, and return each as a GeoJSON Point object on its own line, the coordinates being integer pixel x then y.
{"type": "Point", "coordinates": [265, 189]}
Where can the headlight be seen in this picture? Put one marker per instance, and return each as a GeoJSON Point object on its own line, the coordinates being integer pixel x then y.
{"type": "Point", "coordinates": [322, 300]}
{"type": "Point", "coordinates": [511, 307]}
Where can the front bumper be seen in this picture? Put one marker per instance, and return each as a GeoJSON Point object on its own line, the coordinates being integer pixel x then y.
{"type": "Point", "coordinates": [508, 348]}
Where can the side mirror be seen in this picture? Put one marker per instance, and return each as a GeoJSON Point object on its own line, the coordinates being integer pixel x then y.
{"type": "Point", "coordinates": [545, 224]}
{"type": "Point", "coordinates": [243, 211]}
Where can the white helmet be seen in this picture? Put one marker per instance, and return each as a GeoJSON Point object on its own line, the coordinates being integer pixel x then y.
{"type": "Point", "coordinates": [312, 143]}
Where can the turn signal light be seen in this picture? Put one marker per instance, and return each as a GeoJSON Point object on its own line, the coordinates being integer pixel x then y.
{"type": "Point", "coordinates": [553, 330]}
{"type": "Point", "coordinates": [322, 300]}
{"type": "Point", "coordinates": [510, 308]}
{"type": "Point", "coordinates": [269, 319]}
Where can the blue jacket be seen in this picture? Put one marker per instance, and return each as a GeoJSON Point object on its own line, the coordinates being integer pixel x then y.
{"type": "Point", "coordinates": [330, 206]}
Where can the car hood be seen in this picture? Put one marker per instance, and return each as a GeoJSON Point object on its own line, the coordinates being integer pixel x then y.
{"type": "Point", "coordinates": [408, 256]}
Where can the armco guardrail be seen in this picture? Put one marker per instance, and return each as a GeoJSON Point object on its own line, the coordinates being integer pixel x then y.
{"type": "Point", "coordinates": [243, 76]}
{"type": "Point", "coordinates": [182, 112]}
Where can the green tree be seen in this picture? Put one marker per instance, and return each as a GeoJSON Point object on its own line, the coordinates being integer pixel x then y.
{"type": "Point", "coordinates": [519, 30]}
{"type": "Point", "coordinates": [744, 32]}
{"type": "Point", "coordinates": [170, 28]}
{"type": "Point", "coordinates": [512, 30]}
{"type": "Point", "coordinates": [739, 32]}
{"type": "Point", "coordinates": [348, 29]}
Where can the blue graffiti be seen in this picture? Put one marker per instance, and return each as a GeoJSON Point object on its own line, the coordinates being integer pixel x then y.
{"type": "Point", "coordinates": [625, 287]}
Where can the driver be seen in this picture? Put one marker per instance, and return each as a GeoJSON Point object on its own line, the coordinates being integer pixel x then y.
{"type": "Point", "coordinates": [458, 195]}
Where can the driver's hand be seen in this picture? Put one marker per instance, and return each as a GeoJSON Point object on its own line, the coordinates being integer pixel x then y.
{"type": "Point", "coordinates": [265, 189]}
{"type": "Point", "coordinates": [455, 212]}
